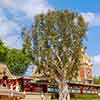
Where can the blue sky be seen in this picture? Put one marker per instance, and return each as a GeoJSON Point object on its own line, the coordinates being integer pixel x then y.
{"type": "Point", "coordinates": [15, 14]}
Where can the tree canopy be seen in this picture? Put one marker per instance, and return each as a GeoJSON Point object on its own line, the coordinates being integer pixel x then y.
{"type": "Point", "coordinates": [57, 38]}
{"type": "Point", "coordinates": [17, 60]}
{"type": "Point", "coordinates": [96, 80]}
{"type": "Point", "coordinates": [3, 51]}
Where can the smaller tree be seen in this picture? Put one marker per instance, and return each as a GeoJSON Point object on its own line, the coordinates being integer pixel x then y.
{"type": "Point", "coordinates": [17, 61]}
{"type": "Point", "coordinates": [96, 80]}
{"type": "Point", "coordinates": [3, 51]}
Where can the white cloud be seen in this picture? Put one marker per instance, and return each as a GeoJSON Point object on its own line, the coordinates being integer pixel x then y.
{"type": "Point", "coordinates": [28, 7]}
{"type": "Point", "coordinates": [97, 59]}
{"type": "Point", "coordinates": [15, 14]}
{"type": "Point", "coordinates": [93, 19]}
{"type": "Point", "coordinates": [7, 26]}
{"type": "Point", "coordinates": [14, 41]}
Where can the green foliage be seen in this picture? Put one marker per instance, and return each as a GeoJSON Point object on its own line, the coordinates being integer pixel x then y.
{"type": "Point", "coordinates": [85, 97]}
{"type": "Point", "coordinates": [3, 51]}
{"type": "Point", "coordinates": [27, 41]}
{"type": "Point", "coordinates": [82, 97]}
{"type": "Point", "coordinates": [96, 80]}
{"type": "Point", "coordinates": [58, 43]}
{"type": "Point", "coordinates": [16, 60]}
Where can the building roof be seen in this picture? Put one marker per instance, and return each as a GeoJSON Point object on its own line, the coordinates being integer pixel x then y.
{"type": "Point", "coordinates": [86, 59]}
{"type": "Point", "coordinates": [4, 68]}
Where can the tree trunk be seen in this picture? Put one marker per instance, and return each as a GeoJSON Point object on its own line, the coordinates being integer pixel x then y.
{"type": "Point", "coordinates": [63, 91]}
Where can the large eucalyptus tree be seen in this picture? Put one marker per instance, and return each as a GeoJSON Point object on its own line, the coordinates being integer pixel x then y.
{"type": "Point", "coordinates": [57, 42]}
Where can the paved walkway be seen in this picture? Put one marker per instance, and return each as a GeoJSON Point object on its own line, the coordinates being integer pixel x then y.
{"type": "Point", "coordinates": [37, 96]}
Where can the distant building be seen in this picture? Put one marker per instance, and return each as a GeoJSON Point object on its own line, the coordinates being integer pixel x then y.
{"type": "Point", "coordinates": [85, 72]}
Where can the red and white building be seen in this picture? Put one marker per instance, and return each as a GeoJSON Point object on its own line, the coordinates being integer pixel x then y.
{"type": "Point", "coordinates": [85, 72]}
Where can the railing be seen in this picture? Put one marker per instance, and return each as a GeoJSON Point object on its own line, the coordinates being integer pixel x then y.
{"type": "Point", "coordinates": [5, 84]}
{"type": "Point", "coordinates": [73, 91]}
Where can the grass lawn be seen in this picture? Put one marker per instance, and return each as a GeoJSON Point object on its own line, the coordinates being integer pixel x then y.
{"type": "Point", "coordinates": [84, 97]}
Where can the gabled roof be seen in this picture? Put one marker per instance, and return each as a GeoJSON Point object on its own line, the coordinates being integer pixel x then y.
{"type": "Point", "coordinates": [4, 68]}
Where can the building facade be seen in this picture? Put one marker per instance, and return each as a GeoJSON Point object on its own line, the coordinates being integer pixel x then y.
{"type": "Point", "coordinates": [85, 72]}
